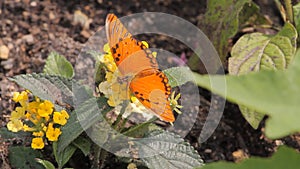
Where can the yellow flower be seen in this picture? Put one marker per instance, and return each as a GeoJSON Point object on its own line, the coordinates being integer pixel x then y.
{"type": "Point", "coordinates": [27, 128]}
{"type": "Point", "coordinates": [174, 102]}
{"type": "Point", "coordinates": [45, 109]}
{"type": "Point", "coordinates": [15, 125]}
{"type": "Point", "coordinates": [33, 106]}
{"type": "Point", "coordinates": [37, 143]}
{"type": "Point", "coordinates": [60, 117]}
{"type": "Point", "coordinates": [22, 98]}
{"type": "Point", "coordinates": [52, 133]}
{"type": "Point", "coordinates": [18, 113]}
{"type": "Point", "coordinates": [38, 133]}
{"type": "Point", "coordinates": [17, 96]}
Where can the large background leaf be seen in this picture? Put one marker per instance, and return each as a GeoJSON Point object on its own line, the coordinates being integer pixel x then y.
{"type": "Point", "coordinates": [284, 158]}
{"type": "Point", "coordinates": [255, 52]}
{"type": "Point", "coordinates": [276, 93]}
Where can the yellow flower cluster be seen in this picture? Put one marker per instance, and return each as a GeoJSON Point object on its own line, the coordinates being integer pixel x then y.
{"type": "Point", "coordinates": [38, 117]}
{"type": "Point", "coordinates": [117, 92]}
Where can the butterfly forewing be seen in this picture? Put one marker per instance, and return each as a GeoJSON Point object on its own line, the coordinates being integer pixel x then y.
{"type": "Point", "coordinates": [130, 55]}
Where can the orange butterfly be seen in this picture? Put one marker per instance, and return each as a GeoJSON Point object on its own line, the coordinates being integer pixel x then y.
{"type": "Point", "coordinates": [149, 84]}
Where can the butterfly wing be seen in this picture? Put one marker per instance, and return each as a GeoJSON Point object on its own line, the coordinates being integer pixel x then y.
{"type": "Point", "coordinates": [130, 55]}
{"type": "Point", "coordinates": [152, 90]}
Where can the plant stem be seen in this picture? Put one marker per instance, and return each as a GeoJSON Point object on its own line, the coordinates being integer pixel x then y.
{"type": "Point", "coordinates": [116, 123]}
{"type": "Point", "coordinates": [289, 10]}
{"type": "Point", "coordinates": [97, 151]}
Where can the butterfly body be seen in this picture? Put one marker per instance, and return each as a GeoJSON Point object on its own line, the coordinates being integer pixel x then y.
{"type": "Point", "coordinates": [149, 84]}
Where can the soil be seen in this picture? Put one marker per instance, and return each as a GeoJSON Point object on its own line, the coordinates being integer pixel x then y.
{"type": "Point", "coordinates": [31, 29]}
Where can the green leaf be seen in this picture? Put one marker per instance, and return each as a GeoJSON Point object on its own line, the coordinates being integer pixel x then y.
{"type": "Point", "coordinates": [6, 134]}
{"type": "Point", "coordinates": [221, 22]}
{"type": "Point", "coordinates": [255, 52]}
{"type": "Point", "coordinates": [84, 116]}
{"type": "Point", "coordinates": [167, 150]}
{"type": "Point", "coordinates": [57, 64]}
{"type": "Point", "coordinates": [138, 131]}
{"type": "Point", "coordinates": [47, 87]}
{"type": "Point", "coordinates": [251, 16]}
{"type": "Point", "coordinates": [178, 75]}
{"type": "Point", "coordinates": [62, 157]}
{"type": "Point", "coordinates": [24, 157]}
{"type": "Point", "coordinates": [275, 93]}
{"type": "Point", "coordinates": [83, 144]}
{"type": "Point", "coordinates": [46, 164]}
{"type": "Point", "coordinates": [284, 158]}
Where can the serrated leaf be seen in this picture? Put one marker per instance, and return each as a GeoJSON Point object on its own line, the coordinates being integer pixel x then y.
{"type": "Point", "coordinates": [83, 144]}
{"type": "Point", "coordinates": [84, 116]}
{"type": "Point", "coordinates": [47, 87]}
{"type": "Point", "coordinates": [162, 149]}
{"type": "Point", "coordinates": [275, 93]}
{"type": "Point", "coordinates": [140, 130]}
{"type": "Point", "coordinates": [221, 22]}
{"type": "Point", "coordinates": [178, 75]}
{"type": "Point", "coordinates": [63, 156]}
{"type": "Point", "coordinates": [24, 157]}
{"type": "Point", "coordinates": [284, 158]}
{"type": "Point", "coordinates": [166, 150]}
{"type": "Point", "coordinates": [57, 64]}
{"type": "Point", "coordinates": [46, 164]}
{"type": "Point", "coordinates": [255, 52]}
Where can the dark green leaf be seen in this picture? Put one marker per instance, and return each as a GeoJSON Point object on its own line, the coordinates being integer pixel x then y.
{"type": "Point", "coordinates": [251, 16]}
{"type": "Point", "coordinates": [57, 64]}
{"type": "Point", "coordinates": [221, 22]}
{"type": "Point", "coordinates": [24, 157]}
{"type": "Point", "coordinates": [83, 144]}
{"type": "Point", "coordinates": [284, 158]}
{"type": "Point", "coordinates": [6, 134]}
{"type": "Point", "coordinates": [84, 116]}
{"type": "Point", "coordinates": [63, 156]}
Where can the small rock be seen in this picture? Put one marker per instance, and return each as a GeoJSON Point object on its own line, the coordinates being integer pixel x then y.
{"type": "Point", "coordinates": [4, 52]}
{"type": "Point", "coordinates": [33, 3]}
{"type": "Point", "coordinates": [85, 34]}
{"type": "Point", "coordinates": [82, 19]}
{"type": "Point", "coordinates": [51, 16]}
{"type": "Point", "coordinates": [28, 38]}
{"type": "Point", "coordinates": [239, 155]}
{"type": "Point", "coordinates": [8, 64]}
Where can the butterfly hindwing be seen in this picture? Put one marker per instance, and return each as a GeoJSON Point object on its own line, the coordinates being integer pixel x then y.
{"type": "Point", "coordinates": [152, 90]}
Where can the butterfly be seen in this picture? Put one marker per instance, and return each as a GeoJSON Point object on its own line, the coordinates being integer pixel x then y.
{"type": "Point", "coordinates": [149, 84]}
